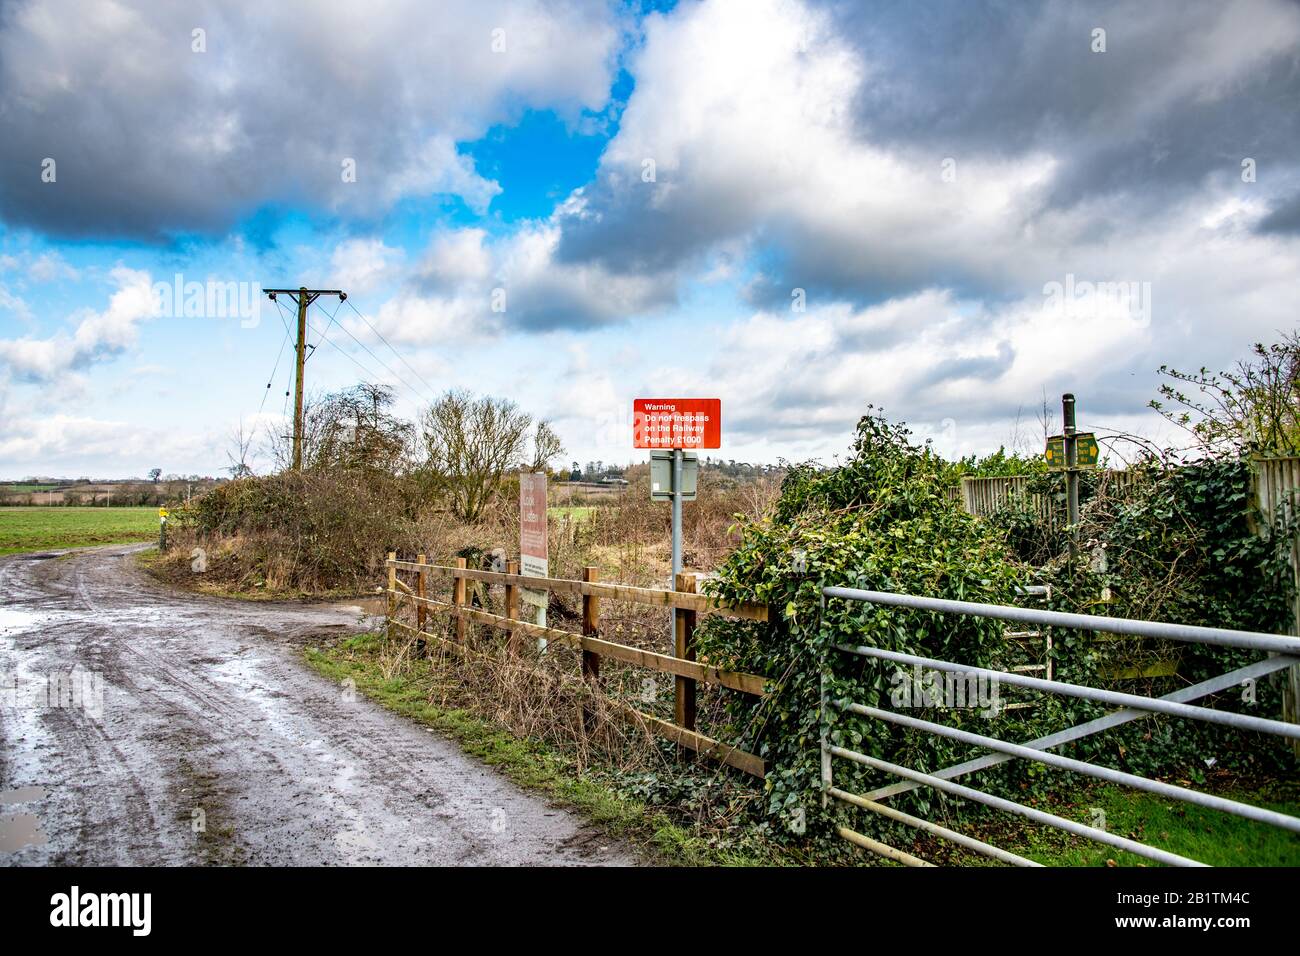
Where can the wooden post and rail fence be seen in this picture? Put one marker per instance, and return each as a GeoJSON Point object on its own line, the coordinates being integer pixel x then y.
{"type": "Point", "coordinates": [687, 606]}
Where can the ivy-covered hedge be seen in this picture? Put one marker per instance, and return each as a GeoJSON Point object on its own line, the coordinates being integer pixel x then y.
{"type": "Point", "coordinates": [1184, 545]}
{"type": "Point", "coordinates": [885, 520]}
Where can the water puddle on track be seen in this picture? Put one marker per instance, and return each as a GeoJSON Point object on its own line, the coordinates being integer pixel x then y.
{"type": "Point", "coordinates": [15, 621]}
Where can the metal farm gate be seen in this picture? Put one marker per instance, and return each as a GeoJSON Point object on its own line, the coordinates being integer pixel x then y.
{"type": "Point", "coordinates": [1282, 652]}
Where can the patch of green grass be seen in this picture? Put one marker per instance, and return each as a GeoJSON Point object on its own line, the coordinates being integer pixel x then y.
{"type": "Point", "coordinates": [527, 763]}
{"type": "Point", "coordinates": [572, 512]}
{"type": "Point", "coordinates": [26, 528]}
{"type": "Point", "coordinates": [1210, 836]}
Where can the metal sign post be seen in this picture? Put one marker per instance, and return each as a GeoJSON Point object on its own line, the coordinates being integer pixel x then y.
{"type": "Point", "coordinates": [1071, 469]}
{"type": "Point", "coordinates": [1072, 452]}
{"type": "Point", "coordinates": [678, 424]}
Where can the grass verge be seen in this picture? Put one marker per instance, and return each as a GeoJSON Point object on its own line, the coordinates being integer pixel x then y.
{"type": "Point", "coordinates": [1210, 836]}
{"type": "Point", "coordinates": [527, 763]}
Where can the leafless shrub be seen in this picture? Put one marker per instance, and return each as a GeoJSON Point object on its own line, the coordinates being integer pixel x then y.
{"type": "Point", "coordinates": [471, 444]}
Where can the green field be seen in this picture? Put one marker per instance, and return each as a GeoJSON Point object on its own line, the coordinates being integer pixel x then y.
{"type": "Point", "coordinates": [38, 529]}
{"type": "Point", "coordinates": [572, 512]}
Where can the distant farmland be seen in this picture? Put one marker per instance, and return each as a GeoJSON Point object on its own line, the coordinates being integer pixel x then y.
{"type": "Point", "coordinates": [38, 529]}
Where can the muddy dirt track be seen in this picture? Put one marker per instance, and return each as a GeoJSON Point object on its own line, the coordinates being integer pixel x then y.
{"type": "Point", "coordinates": [179, 729]}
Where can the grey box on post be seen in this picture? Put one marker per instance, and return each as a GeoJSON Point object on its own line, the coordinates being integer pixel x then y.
{"type": "Point", "coordinates": [661, 475]}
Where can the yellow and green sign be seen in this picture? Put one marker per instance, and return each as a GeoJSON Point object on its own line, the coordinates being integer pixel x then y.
{"type": "Point", "coordinates": [1087, 451]}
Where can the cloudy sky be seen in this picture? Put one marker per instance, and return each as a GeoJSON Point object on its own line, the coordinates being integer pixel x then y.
{"type": "Point", "coordinates": [949, 209]}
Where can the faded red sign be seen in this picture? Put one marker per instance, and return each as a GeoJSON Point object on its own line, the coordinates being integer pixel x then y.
{"type": "Point", "coordinates": [532, 516]}
{"type": "Point", "coordinates": [677, 423]}
{"type": "Point", "coordinates": [532, 536]}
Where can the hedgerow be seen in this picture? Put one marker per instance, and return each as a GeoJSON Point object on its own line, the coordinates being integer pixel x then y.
{"type": "Point", "coordinates": [1180, 548]}
{"type": "Point", "coordinates": [881, 521]}
{"type": "Point", "coordinates": [1184, 545]}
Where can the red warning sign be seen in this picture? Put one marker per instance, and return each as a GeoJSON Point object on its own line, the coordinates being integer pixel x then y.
{"type": "Point", "coordinates": [677, 423]}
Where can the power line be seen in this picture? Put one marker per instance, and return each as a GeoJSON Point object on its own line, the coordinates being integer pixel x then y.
{"type": "Point", "coordinates": [382, 363]}
{"type": "Point", "coordinates": [327, 328]}
{"type": "Point", "coordinates": [432, 391]}
{"type": "Point", "coordinates": [283, 321]}
{"type": "Point", "coordinates": [284, 411]}
{"type": "Point", "coordinates": [370, 377]}
{"type": "Point", "coordinates": [278, 355]}
{"type": "Point", "coordinates": [303, 298]}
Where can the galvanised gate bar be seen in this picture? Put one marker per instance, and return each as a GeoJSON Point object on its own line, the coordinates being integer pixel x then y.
{"type": "Point", "coordinates": [1284, 652]}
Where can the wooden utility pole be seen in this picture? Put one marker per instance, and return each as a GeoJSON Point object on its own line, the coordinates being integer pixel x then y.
{"type": "Point", "coordinates": [302, 297]}
{"type": "Point", "coordinates": [684, 648]}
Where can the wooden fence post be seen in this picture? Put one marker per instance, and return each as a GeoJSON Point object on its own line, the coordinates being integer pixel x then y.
{"type": "Point", "coordinates": [590, 659]}
{"type": "Point", "coordinates": [391, 604]}
{"type": "Point", "coordinates": [512, 604]}
{"type": "Point", "coordinates": [458, 598]}
{"type": "Point", "coordinates": [421, 583]}
{"type": "Point", "coordinates": [685, 649]}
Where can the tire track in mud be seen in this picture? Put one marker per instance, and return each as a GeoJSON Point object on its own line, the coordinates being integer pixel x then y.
{"type": "Point", "coordinates": [215, 744]}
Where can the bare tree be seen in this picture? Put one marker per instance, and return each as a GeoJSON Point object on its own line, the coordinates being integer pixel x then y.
{"type": "Point", "coordinates": [1046, 417]}
{"type": "Point", "coordinates": [471, 445]}
{"type": "Point", "coordinates": [350, 429]}
{"type": "Point", "coordinates": [546, 446]}
{"type": "Point", "coordinates": [1255, 407]}
{"type": "Point", "coordinates": [237, 450]}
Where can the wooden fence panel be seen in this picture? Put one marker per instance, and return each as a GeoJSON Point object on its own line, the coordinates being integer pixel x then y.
{"type": "Point", "coordinates": [699, 603]}
{"type": "Point", "coordinates": [984, 496]}
{"type": "Point", "coordinates": [1277, 494]}
{"type": "Point", "coordinates": [687, 671]}
{"type": "Point", "coordinates": [684, 648]}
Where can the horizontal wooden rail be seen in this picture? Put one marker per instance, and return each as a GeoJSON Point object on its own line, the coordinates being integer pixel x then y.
{"type": "Point", "coordinates": [700, 603]}
{"type": "Point", "coordinates": [734, 680]}
{"type": "Point", "coordinates": [705, 746]}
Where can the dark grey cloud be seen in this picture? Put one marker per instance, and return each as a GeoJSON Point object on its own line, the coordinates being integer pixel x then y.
{"type": "Point", "coordinates": [560, 298]}
{"type": "Point", "coordinates": [1184, 90]}
{"type": "Point", "coordinates": [631, 230]}
{"type": "Point", "coordinates": [1284, 217]}
{"type": "Point", "coordinates": [153, 139]}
